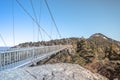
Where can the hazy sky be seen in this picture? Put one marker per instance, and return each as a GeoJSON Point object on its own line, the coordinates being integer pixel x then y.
{"type": "Point", "coordinates": [75, 18]}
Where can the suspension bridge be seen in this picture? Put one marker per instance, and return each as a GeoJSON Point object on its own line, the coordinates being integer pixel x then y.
{"type": "Point", "coordinates": [21, 57]}
{"type": "Point", "coordinates": [27, 56]}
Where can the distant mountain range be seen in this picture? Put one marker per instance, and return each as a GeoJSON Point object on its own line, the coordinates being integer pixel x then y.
{"type": "Point", "coordinates": [97, 38]}
{"type": "Point", "coordinates": [4, 48]}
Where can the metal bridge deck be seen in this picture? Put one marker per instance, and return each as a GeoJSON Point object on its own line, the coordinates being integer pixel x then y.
{"type": "Point", "coordinates": [26, 57]}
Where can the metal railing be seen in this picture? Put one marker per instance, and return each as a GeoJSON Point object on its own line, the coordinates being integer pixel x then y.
{"type": "Point", "coordinates": [26, 56]}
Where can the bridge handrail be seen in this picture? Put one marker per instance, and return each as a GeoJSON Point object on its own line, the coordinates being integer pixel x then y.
{"type": "Point", "coordinates": [15, 56]}
{"type": "Point", "coordinates": [30, 48]}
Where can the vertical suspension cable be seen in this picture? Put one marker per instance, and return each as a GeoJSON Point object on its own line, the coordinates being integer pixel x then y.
{"type": "Point", "coordinates": [33, 10]}
{"type": "Point", "coordinates": [51, 29]}
{"type": "Point", "coordinates": [33, 32]}
{"type": "Point", "coordinates": [33, 19]}
{"type": "Point", "coordinates": [13, 22]}
{"type": "Point", "coordinates": [39, 30]}
{"type": "Point", "coordinates": [38, 34]}
{"type": "Point", "coordinates": [3, 40]}
{"type": "Point", "coordinates": [52, 18]}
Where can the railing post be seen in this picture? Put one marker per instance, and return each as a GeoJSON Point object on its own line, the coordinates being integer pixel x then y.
{"type": "Point", "coordinates": [33, 57]}
{"type": "Point", "coordinates": [10, 58]}
{"type": "Point", "coordinates": [14, 58]}
{"type": "Point", "coordinates": [4, 62]}
{"type": "Point", "coordinates": [0, 62]}
{"type": "Point", "coordinates": [33, 53]}
{"type": "Point", "coordinates": [45, 49]}
{"type": "Point", "coordinates": [27, 53]}
{"type": "Point", "coordinates": [17, 56]}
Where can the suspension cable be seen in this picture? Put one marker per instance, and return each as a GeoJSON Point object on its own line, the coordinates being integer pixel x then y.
{"type": "Point", "coordinates": [52, 18]}
{"type": "Point", "coordinates": [33, 32]}
{"type": "Point", "coordinates": [3, 40]}
{"type": "Point", "coordinates": [33, 10]}
{"type": "Point", "coordinates": [39, 31]}
{"type": "Point", "coordinates": [39, 19]}
{"type": "Point", "coordinates": [33, 18]}
{"type": "Point", "coordinates": [13, 22]}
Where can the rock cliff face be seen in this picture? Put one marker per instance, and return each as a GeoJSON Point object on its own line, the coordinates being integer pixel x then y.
{"type": "Point", "coordinates": [61, 71]}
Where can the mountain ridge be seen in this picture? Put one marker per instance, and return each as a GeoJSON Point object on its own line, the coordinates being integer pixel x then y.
{"type": "Point", "coordinates": [65, 41]}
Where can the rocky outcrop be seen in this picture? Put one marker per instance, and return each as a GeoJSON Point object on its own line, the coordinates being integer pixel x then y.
{"type": "Point", "coordinates": [61, 71]}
